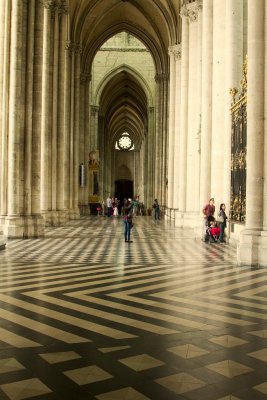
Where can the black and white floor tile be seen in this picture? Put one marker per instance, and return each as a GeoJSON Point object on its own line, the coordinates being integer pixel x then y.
{"type": "Point", "coordinates": [84, 315]}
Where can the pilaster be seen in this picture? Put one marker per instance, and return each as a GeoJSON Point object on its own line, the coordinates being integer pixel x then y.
{"type": "Point", "coordinates": [184, 109]}
{"type": "Point", "coordinates": [171, 136]}
{"type": "Point", "coordinates": [253, 240]}
{"type": "Point", "coordinates": [177, 126]}
{"type": "Point", "coordinates": [46, 112]}
{"type": "Point", "coordinates": [206, 103]}
{"type": "Point", "coordinates": [161, 132]}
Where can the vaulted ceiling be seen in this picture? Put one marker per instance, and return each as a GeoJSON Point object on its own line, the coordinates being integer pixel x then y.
{"type": "Point", "coordinates": [156, 23]}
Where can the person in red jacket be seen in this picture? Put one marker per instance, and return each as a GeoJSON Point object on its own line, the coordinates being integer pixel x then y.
{"type": "Point", "coordinates": [208, 214]}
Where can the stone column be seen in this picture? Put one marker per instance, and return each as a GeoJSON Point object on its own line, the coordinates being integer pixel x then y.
{"type": "Point", "coordinates": [83, 145]}
{"type": "Point", "coordinates": [206, 102]}
{"type": "Point", "coordinates": [46, 115]}
{"type": "Point", "coordinates": [160, 142]}
{"type": "Point", "coordinates": [72, 47]}
{"type": "Point", "coordinates": [172, 91]}
{"type": "Point", "coordinates": [94, 127]}
{"type": "Point", "coordinates": [5, 22]}
{"type": "Point", "coordinates": [218, 101]}
{"type": "Point", "coordinates": [149, 143]}
{"type": "Point", "coordinates": [29, 109]}
{"type": "Point", "coordinates": [184, 109]}
{"type": "Point", "coordinates": [192, 113]}
{"type": "Point", "coordinates": [234, 56]}
{"type": "Point", "coordinates": [199, 6]}
{"type": "Point", "coordinates": [87, 133]}
{"type": "Point", "coordinates": [63, 116]}
{"type": "Point", "coordinates": [158, 137]}
{"type": "Point", "coordinates": [67, 116]}
{"type": "Point", "coordinates": [54, 139]}
{"type": "Point", "coordinates": [76, 132]}
{"type": "Point", "coordinates": [14, 223]}
{"type": "Point", "coordinates": [177, 126]}
{"type": "Point", "coordinates": [251, 249]}
{"type": "Point", "coordinates": [37, 109]}
{"type": "Point", "coordinates": [265, 129]}
{"type": "Point", "coordinates": [164, 173]}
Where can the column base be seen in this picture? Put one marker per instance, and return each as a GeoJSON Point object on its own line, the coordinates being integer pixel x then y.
{"type": "Point", "coordinates": [186, 219]}
{"type": "Point", "coordinates": [2, 243]}
{"type": "Point", "coordinates": [74, 213]}
{"type": "Point", "coordinates": [55, 218]}
{"type": "Point", "coordinates": [170, 214]}
{"type": "Point", "coordinates": [23, 226]}
{"type": "Point", "coordinates": [252, 248]}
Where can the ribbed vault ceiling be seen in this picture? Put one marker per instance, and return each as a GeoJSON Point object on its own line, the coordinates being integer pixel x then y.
{"type": "Point", "coordinates": [123, 102]}
{"type": "Point", "coordinates": [154, 22]}
{"type": "Point", "coordinates": [124, 105]}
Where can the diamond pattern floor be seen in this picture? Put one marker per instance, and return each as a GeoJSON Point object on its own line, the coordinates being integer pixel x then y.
{"type": "Point", "coordinates": [84, 315]}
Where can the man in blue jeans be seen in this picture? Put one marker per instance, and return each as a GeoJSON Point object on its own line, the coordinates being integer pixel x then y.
{"type": "Point", "coordinates": [128, 221]}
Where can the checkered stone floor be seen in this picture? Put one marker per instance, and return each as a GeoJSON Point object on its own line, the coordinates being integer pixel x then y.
{"type": "Point", "coordinates": [86, 316]}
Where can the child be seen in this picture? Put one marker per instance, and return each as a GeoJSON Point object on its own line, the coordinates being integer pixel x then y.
{"type": "Point", "coordinates": [115, 211]}
{"type": "Point", "coordinates": [212, 232]}
{"type": "Point", "coordinates": [98, 209]}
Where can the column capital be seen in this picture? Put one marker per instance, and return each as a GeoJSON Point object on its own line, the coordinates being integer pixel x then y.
{"type": "Point", "coordinates": [94, 110]}
{"type": "Point", "coordinates": [176, 50]}
{"type": "Point", "coordinates": [191, 10]}
{"type": "Point", "coordinates": [73, 47]}
{"type": "Point", "coordinates": [63, 8]}
{"type": "Point", "coordinates": [85, 77]}
{"type": "Point", "coordinates": [49, 4]}
{"type": "Point", "coordinates": [56, 5]}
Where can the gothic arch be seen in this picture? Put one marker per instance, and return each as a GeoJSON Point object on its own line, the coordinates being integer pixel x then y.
{"type": "Point", "coordinates": [157, 27]}
{"type": "Point", "coordinates": [131, 71]}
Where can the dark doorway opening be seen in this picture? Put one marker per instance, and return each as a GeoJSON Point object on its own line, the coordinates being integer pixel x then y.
{"type": "Point", "coordinates": [123, 190]}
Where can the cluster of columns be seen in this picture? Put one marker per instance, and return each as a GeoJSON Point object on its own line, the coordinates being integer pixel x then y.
{"type": "Point", "coordinates": [161, 128]}
{"type": "Point", "coordinates": [185, 117]}
{"type": "Point", "coordinates": [41, 135]}
{"type": "Point", "coordinates": [199, 119]}
{"type": "Point", "coordinates": [212, 55]}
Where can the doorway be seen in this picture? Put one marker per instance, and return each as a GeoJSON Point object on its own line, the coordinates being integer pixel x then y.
{"type": "Point", "coordinates": [123, 189]}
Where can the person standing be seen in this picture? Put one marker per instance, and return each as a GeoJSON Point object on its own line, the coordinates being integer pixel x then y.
{"type": "Point", "coordinates": [109, 206]}
{"type": "Point", "coordinates": [208, 214]}
{"type": "Point", "coordinates": [135, 206]}
{"type": "Point", "coordinates": [208, 211]}
{"type": "Point", "coordinates": [222, 222]}
{"type": "Point", "coordinates": [128, 221]}
{"type": "Point", "coordinates": [156, 209]}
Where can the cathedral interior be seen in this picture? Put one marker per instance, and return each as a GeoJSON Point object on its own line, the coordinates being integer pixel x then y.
{"type": "Point", "coordinates": [144, 100]}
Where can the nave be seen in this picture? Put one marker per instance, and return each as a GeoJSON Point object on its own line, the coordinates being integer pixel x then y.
{"type": "Point", "coordinates": [86, 316]}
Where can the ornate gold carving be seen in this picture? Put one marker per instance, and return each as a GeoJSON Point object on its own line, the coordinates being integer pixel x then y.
{"type": "Point", "coordinates": [238, 160]}
{"type": "Point", "coordinates": [233, 92]}
{"type": "Point", "coordinates": [242, 98]}
{"type": "Point", "coordinates": [244, 80]}
{"type": "Point", "coordinates": [238, 207]}
{"type": "Point", "coordinates": [239, 150]}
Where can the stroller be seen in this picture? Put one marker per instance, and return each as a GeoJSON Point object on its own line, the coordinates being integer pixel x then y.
{"type": "Point", "coordinates": [212, 232]}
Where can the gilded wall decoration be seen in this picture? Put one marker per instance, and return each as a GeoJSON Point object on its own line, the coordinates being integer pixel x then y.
{"type": "Point", "coordinates": [239, 150]}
